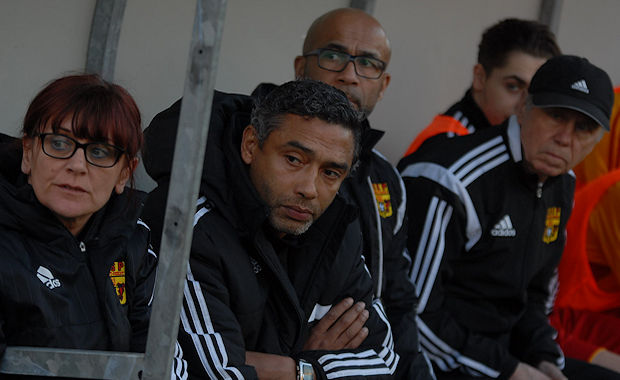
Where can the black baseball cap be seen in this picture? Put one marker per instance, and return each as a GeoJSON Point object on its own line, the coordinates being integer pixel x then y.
{"type": "Point", "coordinates": [568, 81]}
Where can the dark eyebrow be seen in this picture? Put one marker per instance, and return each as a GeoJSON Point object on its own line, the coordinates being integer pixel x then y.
{"type": "Point", "coordinates": [332, 164]}
{"type": "Point", "coordinates": [517, 78]}
{"type": "Point", "coordinates": [342, 48]}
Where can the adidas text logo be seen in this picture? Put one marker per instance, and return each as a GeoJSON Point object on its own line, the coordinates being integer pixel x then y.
{"type": "Point", "coordinates": [580, 85]}
{"type": "Point", "coordinates": [504, 228]}
{"type": "Point", "coordinates": [47, 278]}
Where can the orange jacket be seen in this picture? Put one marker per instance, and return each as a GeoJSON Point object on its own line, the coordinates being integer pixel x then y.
{"type": "Point", "coordinates": [578, 286]}
{"type": "Point", "coordinates": [440, 124]}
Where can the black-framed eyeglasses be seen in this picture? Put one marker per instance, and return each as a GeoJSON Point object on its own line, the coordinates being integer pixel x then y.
{"type": "Point", "coordinates": [64, 147]}
{"type": "Point", "coordinates": [336, 61]}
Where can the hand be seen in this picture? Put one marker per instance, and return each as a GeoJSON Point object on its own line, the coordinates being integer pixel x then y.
{"type": "Point", "coordinates": [341, 328]}
{"type": "Point", "coordinates": [272, 367]}
{"type": "Point", "coordinates": [607, 359]}
{"type": "Point", "coordinates": [527, 372]}
{"type": "Point", "coordinates": [551, 370]}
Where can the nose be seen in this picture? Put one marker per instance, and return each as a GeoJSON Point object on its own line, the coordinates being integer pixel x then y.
{"type": "Point", "coordinates": [348, 74]}
{"type": "Point", "coordinates": [77, 163]}
{"type": "Point", "coordinates": [565, 132]}
{"type": "Point", "coordinates": [306, 186]}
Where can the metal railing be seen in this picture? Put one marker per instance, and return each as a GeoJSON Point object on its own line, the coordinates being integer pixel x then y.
{"type": "Point", "coordinates": [192, 133]}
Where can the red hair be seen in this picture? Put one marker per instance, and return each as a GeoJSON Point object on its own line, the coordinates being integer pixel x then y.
{"type": "Point", "coordinates": [98, 110]}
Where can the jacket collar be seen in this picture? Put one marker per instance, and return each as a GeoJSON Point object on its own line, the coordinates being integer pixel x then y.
{"type": "Point", "coordinates": [476, 120]}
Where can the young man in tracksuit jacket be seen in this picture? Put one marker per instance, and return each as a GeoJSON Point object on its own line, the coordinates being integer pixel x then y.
{"type": "Point", "coordinates": [257, 283]}
{"type": "Point", "coordinates": [348, 49]}
{"type": "Point", "coordinates": [509, 54]}
{"type": "Point", "coordinates": [487, 217]}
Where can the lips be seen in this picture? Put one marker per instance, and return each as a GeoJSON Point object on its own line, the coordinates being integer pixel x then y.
{"type": "Point", "coordinates": [73, 189]}
{"type": "Point", "coordinates": [301, 214]}
{"type": "Point", "coordinates": [555, 157]}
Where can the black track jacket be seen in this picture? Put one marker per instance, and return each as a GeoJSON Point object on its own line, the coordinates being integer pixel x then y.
{"type": "Point", "coordinates": [56, 290]}
{"type": "Point", "coordinates": [487, 238]}
{"type": "Point", "coordinates": [376, 188]}
{"type": "Point", "coordinates": [239, 296]}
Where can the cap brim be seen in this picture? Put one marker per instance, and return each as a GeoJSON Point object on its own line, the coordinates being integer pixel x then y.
{"type": "Point", "coordinates": [551, 99]}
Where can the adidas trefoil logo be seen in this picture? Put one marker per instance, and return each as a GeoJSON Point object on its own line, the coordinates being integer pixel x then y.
{"type": "Point", "coordinates": [580, 85]}
{"type": "Point", "coordinates": [504, 228]}
{"type": "Point", "coordinates": [47, 278]}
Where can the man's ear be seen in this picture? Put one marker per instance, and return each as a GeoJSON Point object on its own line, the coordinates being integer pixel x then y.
{"type": "Point", "coordinates": [125, 175]}
{"type": "Point", "coordinates": [27, 143]}
{"type": "Point", "coordinates": [249, 144]}
{"type": "Point", "coordinates": [480, 78]}
{"type": "Point", "coordinates": [299, 65]}
{"type": "Point", "coordinates": [385, 81]}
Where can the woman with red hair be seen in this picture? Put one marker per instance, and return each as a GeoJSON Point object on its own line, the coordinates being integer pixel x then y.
{"type": "Point", "coordinates": [77, 270]}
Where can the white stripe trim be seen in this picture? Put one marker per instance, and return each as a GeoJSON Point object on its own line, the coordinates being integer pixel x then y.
{"type": "Point", "coordinates": [199, 214]}
{"type": "Point", "coordinates": [514, 138]}
{"type": "Point", "coordinates": [474, 153]}
{"type": "Point", "coordinates": [221, 366]}
{"type": "Point", "coordinates": [448, 352]}
{"type": "Point", "coordinates": [388, 342]}
{"type": "Point", "coordinates": [200, 201]}
{"type": "Point", "coordinates": [474, 165]}
{"type": "Point", "coordinates": [414, 275]}
{"type": "Point", "coordinates": [179, 365]}
{"type": "Point", "coordinates": [141, 222]}
{"type": "Point", "coordinates": [359, 372]}
{"type": "Point", "coordinates": [379, 232]}
{"type": "Point", "coordinates": [428, 251]}
{"type": "Point", "coordinates": [485, 168]}
{"type": "Point", "coordinates": [445, 178]}
{"type": "Point", "coordinates": [444, 213]}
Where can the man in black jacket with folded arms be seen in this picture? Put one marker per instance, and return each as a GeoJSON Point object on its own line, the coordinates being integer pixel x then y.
{"type": "Point", "coordinates": [274, 247]}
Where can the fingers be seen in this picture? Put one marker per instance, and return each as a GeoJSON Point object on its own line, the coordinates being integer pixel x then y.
{"type": "Point", "coordinates": [333, 314]}
{"type": "Point", "coordinates": [341, 327]}
{"type": "Point", "coordinates": [348, 329]}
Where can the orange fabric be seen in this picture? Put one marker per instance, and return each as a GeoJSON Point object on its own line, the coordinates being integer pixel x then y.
{"type": "Point", "coordinates": [578, 286]}
{"type": "Point", "coordinates": [603, 241]}
{"type": "Point", "coordinates": [605, 156]}
{"type": "Point", "coordinates": [440, 124]}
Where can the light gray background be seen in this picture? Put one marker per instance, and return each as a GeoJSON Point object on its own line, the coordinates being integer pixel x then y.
{"type": "Point", "coordinates": [434, 46]}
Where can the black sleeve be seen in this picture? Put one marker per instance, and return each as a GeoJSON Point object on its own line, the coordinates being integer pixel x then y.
{"type": "Point", "coordinates": [211, 343]}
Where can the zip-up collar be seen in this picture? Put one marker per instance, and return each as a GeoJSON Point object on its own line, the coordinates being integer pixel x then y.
{"type": "Point", "coordinates": [468, 113]}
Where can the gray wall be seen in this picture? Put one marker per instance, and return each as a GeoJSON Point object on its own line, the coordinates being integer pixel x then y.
{"type": "Point", "coordinates": [434, 48]}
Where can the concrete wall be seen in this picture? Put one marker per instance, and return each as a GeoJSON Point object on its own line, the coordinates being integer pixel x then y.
{"type": "Point", "coordinates": [434, 47]}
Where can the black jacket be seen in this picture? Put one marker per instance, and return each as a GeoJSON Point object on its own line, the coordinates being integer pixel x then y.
{"type": "Point", "coordinates": [60, 291]}
{"type": "Point", "coordinates": [244, 290]}
{"type": "Point", "coordinates": [487, 238]}
{"type": "Point", "coordinates": [377, 189]}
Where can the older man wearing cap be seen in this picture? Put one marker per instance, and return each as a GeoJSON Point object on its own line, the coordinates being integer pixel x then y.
{"type": "Point", "coordinates": [487, 216]}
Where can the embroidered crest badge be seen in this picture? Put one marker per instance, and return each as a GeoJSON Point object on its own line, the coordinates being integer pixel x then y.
{"type": "Point", "coordinates": [117, 275]}
{"type": "Point", "coordinates": [552, 225]}
{"type": "Point", "coordinates": [382, 195]}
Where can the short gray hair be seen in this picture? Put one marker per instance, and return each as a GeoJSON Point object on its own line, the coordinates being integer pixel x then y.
{"type": "Point", "coordinates": [308, 98]}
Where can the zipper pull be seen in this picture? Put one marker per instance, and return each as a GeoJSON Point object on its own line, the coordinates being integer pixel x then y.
{"type": "Point", "coordinates": [539, 190]}
{"type": "Point", "coordinates": [82, 247]}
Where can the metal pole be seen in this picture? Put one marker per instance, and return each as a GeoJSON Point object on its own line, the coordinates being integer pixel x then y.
{"type": "Point", "coordinates": [81, 364]}
{"type": "Point", "coordinates": [367, 6]}
{"type": "Point", "coordinates": [550, 11]}
{"type": "Point", "coordinates": [184, 184]}
{"type": "Point", "coordinates": [104, 34]}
